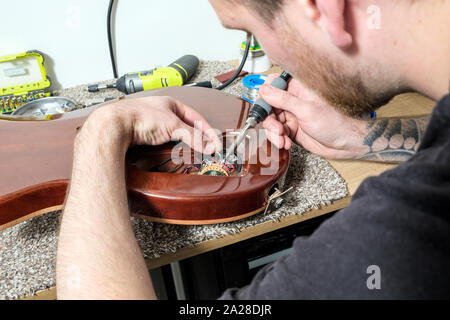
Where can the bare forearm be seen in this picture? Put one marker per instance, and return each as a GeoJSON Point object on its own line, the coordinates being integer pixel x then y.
{"type": "Point", "coordinates": [393, 140]}
{"type": "Point", "coordinates": [98, 256]}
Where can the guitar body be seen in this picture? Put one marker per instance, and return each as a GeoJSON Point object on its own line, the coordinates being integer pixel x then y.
{"type": "Point", "coordinates": [36, 161]}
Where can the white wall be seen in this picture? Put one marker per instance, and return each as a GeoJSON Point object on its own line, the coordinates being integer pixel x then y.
{"type": "Point", "coordinates": [148, 33]}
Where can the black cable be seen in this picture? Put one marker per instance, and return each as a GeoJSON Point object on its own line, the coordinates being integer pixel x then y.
{"type": "Point", "coordinates": [111, 50]}
{"type": "Point", "coordinates": [238, 71]}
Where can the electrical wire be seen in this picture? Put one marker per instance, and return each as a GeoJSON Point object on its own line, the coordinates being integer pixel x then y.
{"type": "Point", "coordinates": [230, 167]}
{"type": "Point", "coordinates": [113, 59]}
{"type": "Point", "coordinates": [189, 168]}
{"type": "Point", "coordinates": [172, 170]}
{"type": "Point", "coordinates": [111, 49]}
{"type": "Point", "coordinates": [238, 71]}
{"type": "Point", "coordinates": [178, 166]}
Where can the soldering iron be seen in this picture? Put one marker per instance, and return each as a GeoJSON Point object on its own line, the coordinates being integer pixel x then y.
{"type": "Point", "coordinates": [260, 110]}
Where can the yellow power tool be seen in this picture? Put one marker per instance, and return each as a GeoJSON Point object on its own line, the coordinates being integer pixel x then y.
{"type": "Point", "coordinates": [176, 74]}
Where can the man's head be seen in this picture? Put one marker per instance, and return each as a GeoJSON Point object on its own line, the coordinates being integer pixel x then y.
{"type": "Point", "coordinates": [357, 54]}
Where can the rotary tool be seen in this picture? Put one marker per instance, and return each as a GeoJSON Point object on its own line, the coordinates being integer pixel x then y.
{"type": "Point", "coordinates": [176, 74]}
{"type": "Point", "coordinates": [260, 110]}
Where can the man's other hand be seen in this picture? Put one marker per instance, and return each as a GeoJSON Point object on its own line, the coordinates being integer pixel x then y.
{"type": "Point", "coordinates": [154, 121]}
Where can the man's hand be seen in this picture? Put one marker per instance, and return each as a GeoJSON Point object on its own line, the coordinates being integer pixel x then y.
{"type": "Point", "coordinates": [98, 256]}
{"type": "Point", "coordinates": [154, 121]}
{"type": "Point", "coordinates": [303, 117]}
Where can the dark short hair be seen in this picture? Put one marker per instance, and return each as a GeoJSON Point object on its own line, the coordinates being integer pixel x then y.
{"type": "Point", "coordinates": [267, 9]}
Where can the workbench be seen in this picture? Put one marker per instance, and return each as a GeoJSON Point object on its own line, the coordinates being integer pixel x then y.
{"type": "Point", "coordinates": [353, 172]}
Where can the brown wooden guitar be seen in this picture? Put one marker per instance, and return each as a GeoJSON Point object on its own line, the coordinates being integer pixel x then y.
{"type": "Point", "coordinates": [36, 160]}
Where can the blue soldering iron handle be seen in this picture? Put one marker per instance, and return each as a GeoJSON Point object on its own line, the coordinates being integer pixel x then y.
{"type": "Point", "coordinates": [261, 109]}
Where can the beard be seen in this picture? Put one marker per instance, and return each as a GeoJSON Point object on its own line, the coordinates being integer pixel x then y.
{"type": "Point", "coordinates": [331, 80]}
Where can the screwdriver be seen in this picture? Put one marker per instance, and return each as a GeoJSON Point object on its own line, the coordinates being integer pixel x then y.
{"type": "Point", "coordinates": [260, 110]}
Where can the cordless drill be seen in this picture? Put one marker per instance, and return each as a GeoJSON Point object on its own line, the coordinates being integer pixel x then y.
{"type": "Point", "coordinates": [176, 74]}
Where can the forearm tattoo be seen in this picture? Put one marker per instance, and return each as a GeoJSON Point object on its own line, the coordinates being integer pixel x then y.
{"type": "Point", "coordinates": [394, 140]}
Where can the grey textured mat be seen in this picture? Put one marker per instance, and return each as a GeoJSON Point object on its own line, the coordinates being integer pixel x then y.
{"type": "Point", "coordinates": [28, 250]}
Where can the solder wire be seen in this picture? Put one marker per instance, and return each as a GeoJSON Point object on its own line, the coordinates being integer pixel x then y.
{"type": "Point", "coordinates": [251, 84]}
{"type": "Point", "coordinates": [250, 94]}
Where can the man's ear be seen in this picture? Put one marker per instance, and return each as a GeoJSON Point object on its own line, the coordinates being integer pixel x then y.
{"type": "Point", "coordinates": [330, 16]}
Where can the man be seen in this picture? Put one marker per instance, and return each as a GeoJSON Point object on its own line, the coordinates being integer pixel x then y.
{"type": "Point", "coordinates": [347, 57]}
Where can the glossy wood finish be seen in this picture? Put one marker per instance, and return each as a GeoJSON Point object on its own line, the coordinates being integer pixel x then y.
{"type": "Point", "coordinates": [36, 160]}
